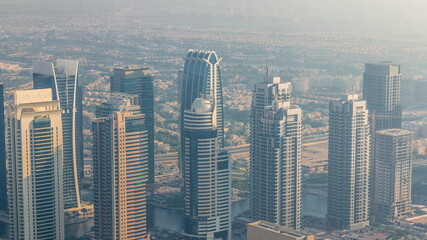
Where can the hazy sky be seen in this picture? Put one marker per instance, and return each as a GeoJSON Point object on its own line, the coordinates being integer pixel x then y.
{"type": "Point", "coordinates": [382, 15]}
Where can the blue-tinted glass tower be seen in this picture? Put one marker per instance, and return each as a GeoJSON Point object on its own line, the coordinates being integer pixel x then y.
{"type": "Point", "coordinates": [382, 90]}
{"type": "Point", "coordinates": [202, 77]}
{"type": "Point", "coordinates": [139, 81]}
{"type": "Point", "coordinates": [3, 179]}
{"type": "Point", "coordinates": [62, 78]}
{"type": "Point", "coordinates": [206, 175]}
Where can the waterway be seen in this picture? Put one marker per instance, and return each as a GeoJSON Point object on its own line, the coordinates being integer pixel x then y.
{"type": "Point", "coordinates": [312, 205]}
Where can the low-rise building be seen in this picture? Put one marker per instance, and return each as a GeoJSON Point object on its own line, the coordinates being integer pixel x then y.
{"type": "Point", "coordinates": [262, 230]}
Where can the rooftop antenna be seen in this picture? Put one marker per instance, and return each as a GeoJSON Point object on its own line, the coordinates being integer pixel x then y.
{"type": "Point", "coordinates": [266, 64]}
{"type": "Point", "coordinates": [353, 88]}
{"type": "Point", "coordinates": [266, 68]}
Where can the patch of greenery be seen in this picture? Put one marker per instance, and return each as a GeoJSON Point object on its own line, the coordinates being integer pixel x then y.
{"type": "Point", "coordinates": [397, 233]}
{"type": "Point", "coordinates": [241, 184]}
{"type": "Point", "coordinates": [168, 138]}
{"type": "Point", "coordinates": [87, 183]}
{"type": "Point", "coordinates": [318, 178]}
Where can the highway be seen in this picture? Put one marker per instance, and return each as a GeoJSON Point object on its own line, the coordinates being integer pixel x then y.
{"type": "Point", "coordinates": [173, 157]}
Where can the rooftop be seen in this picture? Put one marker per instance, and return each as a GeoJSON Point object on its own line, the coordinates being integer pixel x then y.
{"type": "Point", "coordinates": [279, 229]}
{"type": "Point", "coordinates": [394, 132]}
{"type": "Point", "coordinates": [350, 97]}
{"type": "Point", "coordinates": [32, 96]}
{"type": "Point", "coordinates": [132, 68]}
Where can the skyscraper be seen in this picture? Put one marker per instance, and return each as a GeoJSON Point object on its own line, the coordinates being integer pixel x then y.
{"type": "Point", "coordinates": [275, 155]}
{"type": "Point", "coordinates": [3, 171]}
{"type": "Point", "coordinates": [120, 168]}
{"type": "Point", "coordinates": [206, 174]}
{"type": "Point", "coordinates": [202, 77]}
{"type": "Point", "coordinates": [62, 78]}
{"type": "Point", "coordinates": [36, 206]}
{"type": "Point", "coordinates": [382, 90]}
{"type": "Point", "coordinates": [139, 81]}
{"type": "Point", "coordinates": [118, 102]}
{"type": "Point", "coordinates": [349, 159]}
{"type": "Point", "coordinates": [392, 198]}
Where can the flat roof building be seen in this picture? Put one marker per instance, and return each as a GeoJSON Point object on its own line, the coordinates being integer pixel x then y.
{"type": "Point", "coordinates": [262, 230]}
{"type": "Point", "coordinates": [393, 176]}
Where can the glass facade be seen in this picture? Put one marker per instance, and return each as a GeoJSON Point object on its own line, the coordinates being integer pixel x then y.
{"type": "Point", "coordinates": [202, 77]}
{"type": "Point", "coordinates": [206, 174]}
{"type": "Point", "coordinates": [35, 161]}
{"type": "Point", "coordinates": [139, 81]}
{"type": "Point", "coordinates": [382, 89]}
{"type": "Point", "coordinates": [63, 80]}
{"type": "Point", "coordinates": [44, 178]}
{"type": "Point", "coordinates": [120, 154]}
{"type": "Point", "coordinates": [3, 172]}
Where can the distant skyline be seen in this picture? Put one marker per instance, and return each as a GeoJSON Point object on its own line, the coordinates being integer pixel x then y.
{"type": "Point", "coordinates": [130, 135]}
{"type": "Point", "coordinates": [364, 15]}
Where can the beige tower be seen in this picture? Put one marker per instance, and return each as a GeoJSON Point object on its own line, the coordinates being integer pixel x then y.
{"type": "Point", "coordinates": [120, 170]}
{"type": "Point", "coordinates": [35, 161]}
{"type": "Point", "coordinates": [392, 195]}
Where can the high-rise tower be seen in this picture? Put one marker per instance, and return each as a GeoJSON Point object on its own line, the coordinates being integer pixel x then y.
{"type": "Point", "coordinates": [349, 159]}
{"type": "Point", "coordinates": [118, 102]}
{"type": "Point", "coordinates": [120, 168]}
{"type": "Point", "coordinates": [392, 195]}
{"type": "Point", "coordinates": [206, 174]}
{"type": "Point", "coordinates": [275, 155]}
{"type": "Point", "coordinates": [382, 90]}
{"type": "Point", "coordinates": [139, 81]}
{"type": "Point", "coordinates": [3, 170]}
{"type": "Point", "coordinates": [36, 206]}
{"type": "Point", "coordinates": [202, 77]}
{"type": "Point", "coordinates": [62, 78]}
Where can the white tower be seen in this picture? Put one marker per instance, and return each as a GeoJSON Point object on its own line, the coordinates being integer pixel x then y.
{"type": "Point", "coordinates": [206, 173]}
{"type": "Point", "coordinates": [35, 160]}
{"type": "Point", "coordinates": [275, 155]}
{"type": "Point", "coordinates": [349, 159]}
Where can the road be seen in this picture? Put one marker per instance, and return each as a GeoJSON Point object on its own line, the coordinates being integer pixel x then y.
{"type": "Point", "coordinates": [173, 157]}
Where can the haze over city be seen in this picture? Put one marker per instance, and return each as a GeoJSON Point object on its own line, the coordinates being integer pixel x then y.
{"type": "Point", "coordinates": [185, 119]}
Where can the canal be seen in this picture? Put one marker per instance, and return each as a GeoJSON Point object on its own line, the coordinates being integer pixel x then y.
{"type": "Point", "coordinates": [312, 205]}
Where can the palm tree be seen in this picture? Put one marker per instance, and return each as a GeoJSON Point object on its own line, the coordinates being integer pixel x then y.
{"type": "Point", "coordinates": [84, 211]}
